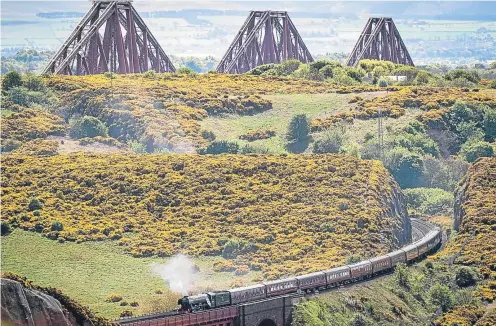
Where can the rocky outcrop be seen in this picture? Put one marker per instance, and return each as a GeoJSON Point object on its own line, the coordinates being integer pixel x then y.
{"type": "Point", "coordinates": [23, 306]}
{"type": "Point", "coordinates": [461, 196]}
{"type": "Point", "coordinates": [395, 204]}
{"type": "Point", "coordinates": [403, 233]}
{"type": "Point", "coordinates": [26, 304]}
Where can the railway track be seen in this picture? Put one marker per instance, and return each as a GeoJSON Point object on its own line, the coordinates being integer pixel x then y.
{"type": "Point", "coordinates": [420, 228]}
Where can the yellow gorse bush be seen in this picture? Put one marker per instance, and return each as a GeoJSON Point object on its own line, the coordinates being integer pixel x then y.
{"type": "Point", "coordinates": [432, 100]}
{"type": "Point", "coordinates": [281, 214]}
{"type": "Point", "coordinates": [31, 123]}
{"type": "Point", "coordinates": [39, 147]}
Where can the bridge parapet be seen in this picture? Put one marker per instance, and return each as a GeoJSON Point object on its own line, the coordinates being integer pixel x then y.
{"type": "Point", "coordinates": [269, 312]}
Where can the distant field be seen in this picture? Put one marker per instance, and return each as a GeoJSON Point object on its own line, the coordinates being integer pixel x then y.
{"type": "Point", "coordinates": [88, 272]}
{"type": "Point", "coordinates": [285, 106]}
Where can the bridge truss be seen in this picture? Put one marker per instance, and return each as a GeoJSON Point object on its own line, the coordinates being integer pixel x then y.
{"type": "Point", "coordinates": [265, 37]}
{"type": "Point", "coordinates": [380, 40]}
{"type": "Point", "coordinates": [110, 37]}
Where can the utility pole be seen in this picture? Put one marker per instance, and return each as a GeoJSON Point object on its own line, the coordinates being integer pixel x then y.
{"type": "Point", "coordinates": [380, 134]}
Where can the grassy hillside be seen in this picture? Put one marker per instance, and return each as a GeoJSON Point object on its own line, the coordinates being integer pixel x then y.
{"type": "Point", "coordinates": [475, 218]}
{"type": "Point", "coordinates": [159, 111]}
{"type": "Point", "coordinates": [89, 271]}
{"type": "Point", "coordinates": [475, 213]}
{"type": "Point", "coordinates": [281, 214]}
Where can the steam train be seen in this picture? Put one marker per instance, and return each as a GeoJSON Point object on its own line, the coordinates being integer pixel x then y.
{"type": "Point", "coordinates": [315, 281]}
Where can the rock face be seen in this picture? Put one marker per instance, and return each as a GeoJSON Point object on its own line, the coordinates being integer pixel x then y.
{"type": "Point", "coordinates": [397, 205]}
{"type": "Point", "coordinates": [22, 306]}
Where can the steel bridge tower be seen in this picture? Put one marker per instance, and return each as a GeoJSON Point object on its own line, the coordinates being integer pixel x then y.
{"type": "Point", "coordinates": [110, 37]}
{"type": "Point", "coordinates": [265, 37]}
{"type": "Point", "coordinates": [380, 40]}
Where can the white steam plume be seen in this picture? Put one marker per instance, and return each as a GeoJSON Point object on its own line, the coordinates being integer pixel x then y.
{"type": "Point", "coordinates": [178, 273]}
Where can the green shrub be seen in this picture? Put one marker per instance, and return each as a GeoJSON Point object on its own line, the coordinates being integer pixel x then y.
{"type": "Point", "coordinates": [208, 135]}
{"type": "Point", "coordinates": [150, 74]}
{"type": "Point", "coordinates": [441, 297]}
{"type": "Point", "coordinates": [405, 166]}
{"type": "Point", "coordinates": [254, 149]}
{"type": "Point", "coordinates": [422, 78]}
{"type": "Point", "coordinates": [359, 320]}
{"type": "Point", "coordinates": [19, 95]}
{"type": "Point", "coordinates": [352, 259]}
{"type": "Point", "coordinates": [10, 80]}
{"type": "Point", "coordinates": [33, 83]}
{"type": "Point", "coordinates": [319, 64]}
{"type": "Point", "coordinates": [110, 75]}
{"type": "Point", "coordinates": [257, 71]}
{"type": "Point", "coordinates": [306, 72]}
{"type": "Point", "coordinates": [383, 82]}
{"type": "Point", "coordinates": [379, 72]}
{"type": "Point", "coordinates": [368, 136]}
{"type": "Point", "coordinates": [415, 127]}
{"type": "Point", "coordinates": [123, 303]}
{"type": "Point", "coordinates": [327, 71]}
{"type": "Point", "coordinates": [234, 247]}
{"type": "Point", "coordinates": [469, 130]}
{"type": "Point", "coordinates": [186, 71]}
{"type": "Point", "coordinates": [137, 147]}
{"type": "Point", "coordinates": [490, 124]}
{"type": "Point", "coordinates": [87, 126]}
{"type": "Point", "coordinates": [5, 228]}
{"type": "Point", "coordinates": [220, 147]}
{"type": "Point", "coordinates": [34, 204]}
{"type": "Point", "coordinates": [493, 84]}
{"type": "Point", "coordinates": [471, 76]}
{"type": "Point", "coordinates": [134, 304]}
{"type": "Point", "coordinates": [287, 67]}
{"type": "Point", "coordinates": [474, 149]}
{"type": "Point", "coordinates": [429, 201]}
{"type": "Point", "coordinates": [126, 313]}
{"type": "Point", "coordinates": [342, 76]}
{"type": "Point", "coordinates": [331, 142]}
{"type": "Point", "coordinates": [298, 129]}
{"type": "Point", "coordinates": [355, 73]}
{"type": "Point", "coordinates": [402, 275]}
{"type": "Point", "coordinates": [417, 143]}
{"type": "Point", "coordinates": [465, 277]}
{"type": "Point", "coordinates": [113, 297]}
{"type": "Point", "coordinates": [8, 145]}
{"type": "Point", "coordinates": [57, 226]}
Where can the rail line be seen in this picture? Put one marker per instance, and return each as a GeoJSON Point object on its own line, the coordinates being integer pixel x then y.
{"type": "Point", "coordinates": [420, 228]}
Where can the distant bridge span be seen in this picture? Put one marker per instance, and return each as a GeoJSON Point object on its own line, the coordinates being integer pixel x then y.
{"type": "Point", "coordinates": [275, 311]}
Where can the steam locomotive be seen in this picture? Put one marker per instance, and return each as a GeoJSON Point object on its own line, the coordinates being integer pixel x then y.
{"type": "Point", "coordinates": [315, 281]}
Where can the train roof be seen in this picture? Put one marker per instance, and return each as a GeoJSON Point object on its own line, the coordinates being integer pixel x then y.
{"type": "Point", "coordinates": [396, 252]}
{"type": "Point", "coordinates": [310, 274]}
{"type": "Point", "coordinates": [337, 269]}
{"type": "Point", "coordinates": [411, 246]}
{"type": "Point", "coordinates": [379, 258]}
{"type": "Point", "coordinates": [249, 287]}
{"type": "Point", "coordinates": [289, 279]}
{"type": "Point", "coordinates": [363, 262]}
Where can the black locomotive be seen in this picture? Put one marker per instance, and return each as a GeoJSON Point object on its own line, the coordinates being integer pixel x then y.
{"type": "Point", "coordinates": [205, 301]}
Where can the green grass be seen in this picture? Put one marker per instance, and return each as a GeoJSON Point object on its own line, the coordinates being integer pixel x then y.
{"type": "Point", "coordinates": [285, 106]}
{"type": "Point", "coordinates": [88, 272]}
{"type": "Point", "coordinates": [5, 113]}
